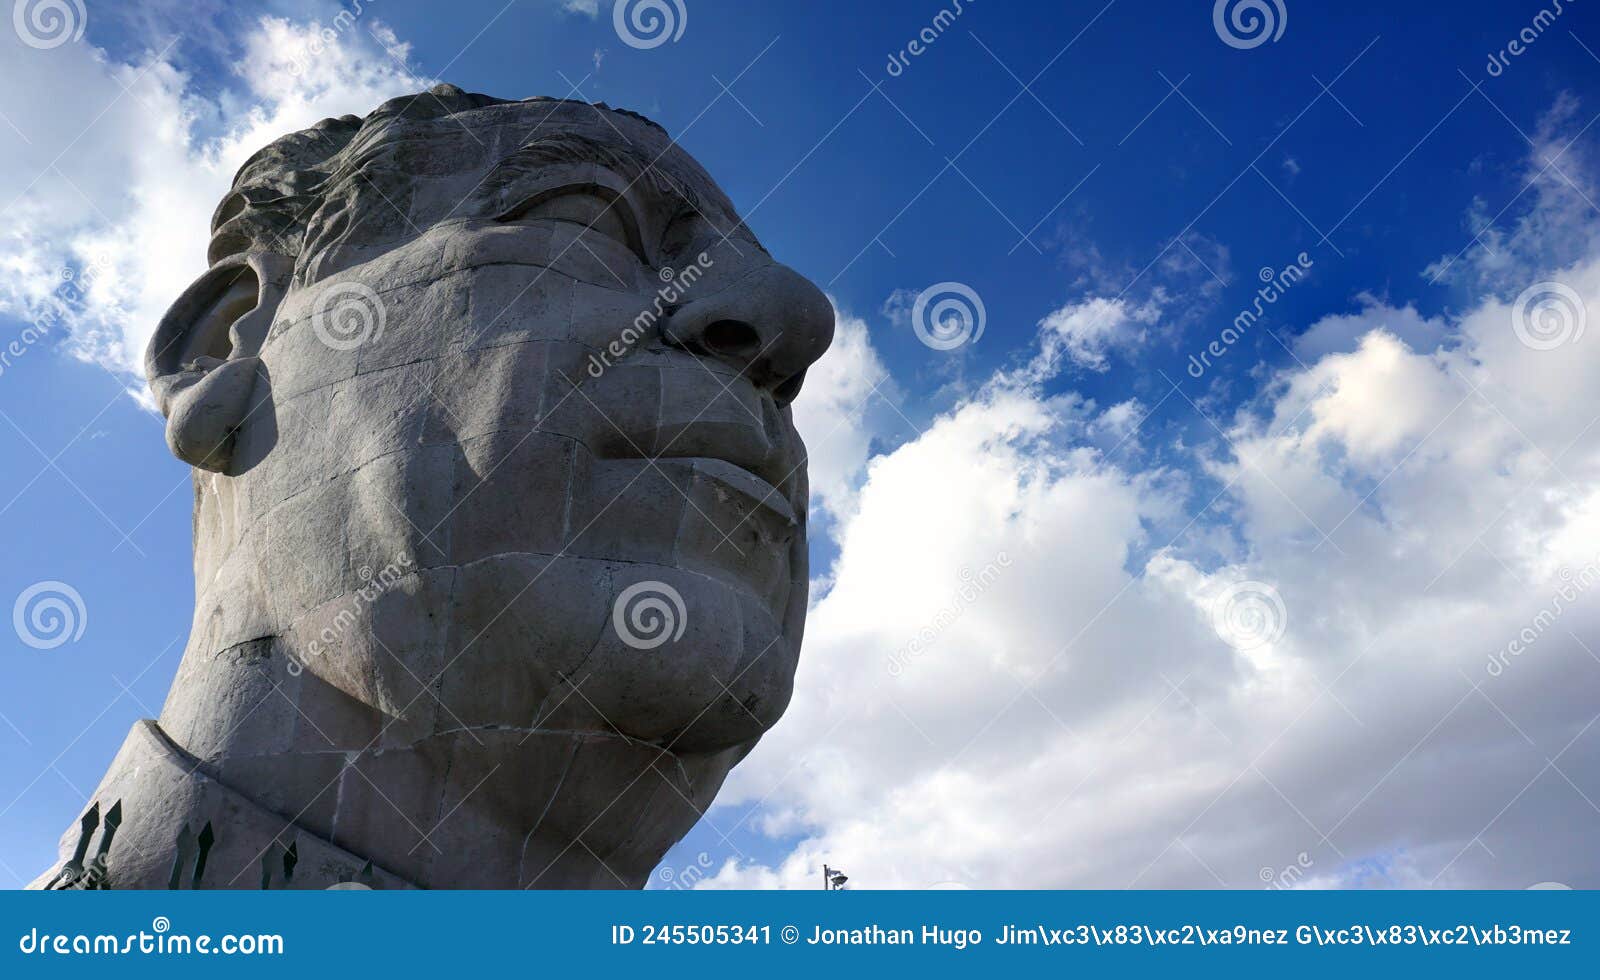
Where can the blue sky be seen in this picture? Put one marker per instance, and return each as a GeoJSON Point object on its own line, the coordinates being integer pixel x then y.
{"type": "Point", "coordinates": [1111, 179]}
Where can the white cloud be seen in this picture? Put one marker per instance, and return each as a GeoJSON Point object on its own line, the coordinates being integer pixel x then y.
{"type": "Point", "coordinates": [124, 162]}
{"type": "Point", "coordinates": [1085, 333]}
{"type": "Point", "coordinates": [1560, 178]}
{"type": "Point", "coordinates": [1015, 679]}
{"type": "Point", "coordinates": [1076, 719]}
{"type": "Point", "coordinates": [845, 395]}
{"type": "Point", "coordinates": [1341, 331]}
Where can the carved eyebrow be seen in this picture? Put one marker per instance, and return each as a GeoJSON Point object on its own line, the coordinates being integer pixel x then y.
{"type": "Point", "coordinates": [623, 159]}
{"type": "Point", "coordinates": [627, 161]}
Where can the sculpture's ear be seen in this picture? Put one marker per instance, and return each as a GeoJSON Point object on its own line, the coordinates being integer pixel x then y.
{"type": "Point", "coordinates": [202, 362]}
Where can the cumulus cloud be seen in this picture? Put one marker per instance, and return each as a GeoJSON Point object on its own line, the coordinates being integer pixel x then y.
{"type": "Point", "coordinates": [1338, 332]}
{"type": "Point", "coordinates": [846, 396]}
{"type": "Point", "coordinates": [1344, 644]}
{"type": "Point", "coordinates": [1560, 178]}
{"type": "Point", "coordinates": [1085, 333]}
{"type": "Point", "coordinates": [122, 162]}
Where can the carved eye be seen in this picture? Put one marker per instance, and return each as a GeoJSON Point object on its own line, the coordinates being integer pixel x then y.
{"type": "Point", "coordinates": [585, 209]}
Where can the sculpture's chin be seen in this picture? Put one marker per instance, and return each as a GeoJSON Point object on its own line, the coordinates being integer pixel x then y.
{"type": "Point", "coordinates": [713, 672]}
{"type": "Point", "coordinates": [659, 654]}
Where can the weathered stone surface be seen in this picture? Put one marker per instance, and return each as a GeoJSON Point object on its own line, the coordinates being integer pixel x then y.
{"type": "Point", "coordinates": [500, 545]}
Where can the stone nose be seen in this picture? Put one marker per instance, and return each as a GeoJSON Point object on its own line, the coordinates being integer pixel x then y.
{"type": "Point", "coordinates": [769, 325]}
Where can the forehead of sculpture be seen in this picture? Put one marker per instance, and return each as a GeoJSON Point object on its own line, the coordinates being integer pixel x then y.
{"type": "Point", "coordinates": [423, 159]}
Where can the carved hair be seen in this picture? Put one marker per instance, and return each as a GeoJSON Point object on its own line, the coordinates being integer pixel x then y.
{"type": "Point", "coordinates": [295, 184]}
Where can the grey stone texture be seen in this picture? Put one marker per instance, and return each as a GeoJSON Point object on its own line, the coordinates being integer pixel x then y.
{"type": "Point", "coordinates": [462, 375]}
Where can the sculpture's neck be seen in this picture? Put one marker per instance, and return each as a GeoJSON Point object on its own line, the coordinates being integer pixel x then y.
{"type": "Point", "coordinates": [440, 804]}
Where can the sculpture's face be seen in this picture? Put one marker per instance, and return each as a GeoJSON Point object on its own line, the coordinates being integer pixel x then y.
{"type": "Point", "coordinates": [537, 376]}
{"type": "Point", "coordinates": [499, 503]}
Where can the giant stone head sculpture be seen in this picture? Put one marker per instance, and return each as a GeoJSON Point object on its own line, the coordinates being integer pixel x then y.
{"type": "Point", "coordinates": [500, 514]}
